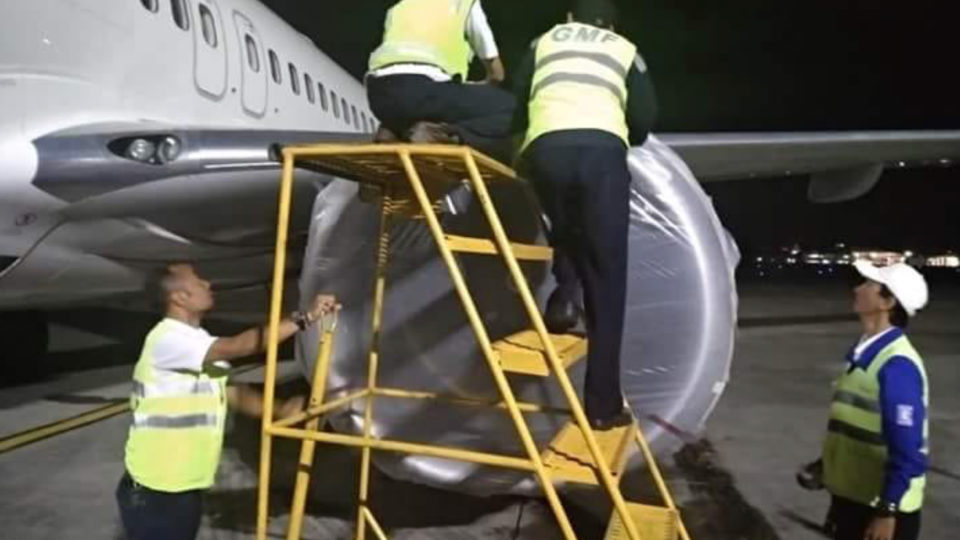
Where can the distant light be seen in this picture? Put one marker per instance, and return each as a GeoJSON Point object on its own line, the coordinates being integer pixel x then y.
{"type": "Point", "coordinates": [901, 164]}
{"type": "Point", "coordinates": [46, 41]}
{"type": "Point", "coordinates": [944, 161]}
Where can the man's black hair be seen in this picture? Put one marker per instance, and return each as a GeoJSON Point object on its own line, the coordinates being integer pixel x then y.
{"type": "Point", "coordinates": [601, 13]}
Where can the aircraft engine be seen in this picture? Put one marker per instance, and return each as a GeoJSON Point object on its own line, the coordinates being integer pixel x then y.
{"type": "Point", "coordinates": [677, 344]}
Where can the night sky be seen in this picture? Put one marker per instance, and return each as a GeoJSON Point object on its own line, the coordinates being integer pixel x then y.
{"type": "Point", "coordinates": [776, 65]}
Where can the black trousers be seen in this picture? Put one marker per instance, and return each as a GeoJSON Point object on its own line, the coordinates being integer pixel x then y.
{"type": "Point", "coordinates": [584, 187]}
{"type": "Point", "coordinates": [481, 114]}
{"type": "Point", "coordinates": [158, 515]}
{"type": "Point", "coordinates": [851, 520]}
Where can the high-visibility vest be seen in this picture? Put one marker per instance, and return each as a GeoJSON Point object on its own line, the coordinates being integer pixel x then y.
{"type": "Point", "coordinates": [429, 32]}
{"type": "Point", "coordinates": [855, 452]}
{"type": "Point", "coordinates": [176, 437]}
{"type": "Point", "coordinates": [580, 81]}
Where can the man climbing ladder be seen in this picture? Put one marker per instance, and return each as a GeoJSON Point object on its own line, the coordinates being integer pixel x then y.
{"type": "Point", "coordinates": [416, 82]}
{"type": "Point", "coordinates": [588, 97]}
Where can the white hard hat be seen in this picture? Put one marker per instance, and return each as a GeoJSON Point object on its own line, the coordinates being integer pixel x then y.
{"type": "Point", "coordinates": [903, 280]}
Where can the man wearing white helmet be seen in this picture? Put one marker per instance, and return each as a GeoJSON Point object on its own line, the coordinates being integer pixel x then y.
{"type": "Point", "coordinates": [875, 453]}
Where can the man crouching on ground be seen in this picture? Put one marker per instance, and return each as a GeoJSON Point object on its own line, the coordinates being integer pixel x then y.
{"type": "Point", "coordinates": [179, 406]}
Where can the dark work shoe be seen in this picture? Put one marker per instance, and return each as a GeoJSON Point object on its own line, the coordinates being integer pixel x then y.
{"type": "Point", "coordinates": [562, 313]}
{"type": "Point", "coordinates": [458, 199]}
{"type": "Point", "coordinates": [622, 418]}
{"type": "Point", "coordinates": [432, 133]}
{"type": "Point", "coordinates": [385, 136]}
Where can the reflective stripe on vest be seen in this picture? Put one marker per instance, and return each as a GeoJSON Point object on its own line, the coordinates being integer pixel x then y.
{"type": "Point", "coordinates": [176, 435]}
{"type": "Point", "coordinates": [854, 451]}
{"type": "Point", "coordinates": [580, 81]}
{"type": "Point", "coordinates": [174, 421]}
{"type": "Point", "coordinates": [429, 32]}
{"type": "Point", "coordinates": [173, 388]}
{"type": "Point", "coordinates": [860, 402]}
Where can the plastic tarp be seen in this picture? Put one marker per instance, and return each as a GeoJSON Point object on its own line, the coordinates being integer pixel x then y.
{"type": "Point", "coordinates": [677, 343]}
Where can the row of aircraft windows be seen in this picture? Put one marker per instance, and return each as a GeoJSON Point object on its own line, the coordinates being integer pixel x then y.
{"type": "Point", "coordinates": [318, 92]}
{"type": "Point", "coordinates": [209, 29]}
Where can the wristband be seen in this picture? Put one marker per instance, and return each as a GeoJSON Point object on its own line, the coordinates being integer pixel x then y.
{"type": "Point", "coordinates": [886, 509]}
{"type": "Point", "coordinates": [302, 320]}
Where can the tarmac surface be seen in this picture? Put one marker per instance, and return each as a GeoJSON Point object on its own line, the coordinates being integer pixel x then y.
{"type": "Point", "coordinates": [736, 482]}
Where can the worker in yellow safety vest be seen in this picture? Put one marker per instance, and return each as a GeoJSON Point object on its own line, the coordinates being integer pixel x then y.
{"type": "Point", "coordinates": [874, 457]}
{"type": "Point", "coordinates": [417, 79]}
{"type": "Point", "coordinates": [179, 403]}
{"type": "Point", "coordinates": [587, 98]}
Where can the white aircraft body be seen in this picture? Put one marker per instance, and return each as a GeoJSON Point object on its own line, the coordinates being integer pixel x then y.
{"type": "Point", "coordinates": [136, 132]}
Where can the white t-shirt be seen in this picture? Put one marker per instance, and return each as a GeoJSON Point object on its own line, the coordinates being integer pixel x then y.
{"type": "Point", "coordinates": [480, 35]}
{"type": "Point", "coordinates": [181, 347]}
{"type": "Point", "coordinates": [481, 39]}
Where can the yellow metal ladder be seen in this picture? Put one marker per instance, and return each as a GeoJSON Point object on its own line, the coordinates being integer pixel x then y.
{"type": "Point", "coordinates": [412, 179]}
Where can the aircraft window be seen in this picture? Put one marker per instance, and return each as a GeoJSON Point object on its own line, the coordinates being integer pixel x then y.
{"type": "Point", "coordinates": [346, 110]}
{"type": "Point", "coordinates": [356, 120]}
{"type": "Point", "coordinates": [180, 14]}
{"type": "Point", "coordinates": [253, 54]}
{"type": "Point", "coordinates": [323, 95]}
{"type": "Point", "coordinates": [275, 68]}
{"type": "Point", "coordinates": [308, 83]}
{"type": "Point", "coordinates": [294, 78]}
{"type": "Point", "coordinates": [336, 104]}
{"type": "Point", "coordinates": [209, 26]}
{"type": "Point", "coordinates": [151, 5]}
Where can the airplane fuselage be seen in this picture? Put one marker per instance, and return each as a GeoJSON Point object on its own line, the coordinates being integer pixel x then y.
{"type": "Point", "coordinates": [210, 83]}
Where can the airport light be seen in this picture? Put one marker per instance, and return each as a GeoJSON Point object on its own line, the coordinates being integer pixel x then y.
{"type": "Point", "coordinates": [944, 261]}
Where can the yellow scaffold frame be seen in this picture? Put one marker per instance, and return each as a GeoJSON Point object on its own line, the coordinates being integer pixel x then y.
{"type": "Point", "coordinates": [406, 192]}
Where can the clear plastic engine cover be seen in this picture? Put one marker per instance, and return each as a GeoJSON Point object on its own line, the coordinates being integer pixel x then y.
{"type": "Point", "coordinates": [677, 343]}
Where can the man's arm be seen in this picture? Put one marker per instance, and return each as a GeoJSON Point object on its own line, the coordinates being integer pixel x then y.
{"type": "Point", "coordinates": [484, 45]}
{"type": "Point", "coordinates": [641, 102]}
{"type": "Point", "coordinates": [254, 340]}
{"type": "Point", "coordinates": [248, 342]}
{"type": "Point", "coordinates": [248, 401]}
{"type": "Point", "coordinates": [903, 413]}
{"type": "Point", "coordinates": [494, 69]}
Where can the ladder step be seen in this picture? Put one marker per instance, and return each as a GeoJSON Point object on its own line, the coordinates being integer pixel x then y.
{"type": "Point", "coordinates": [523, 352]}
{"type": "Point", "coordinates": [524, 252]}
{"type": "Point", "coordinates": [568, 458]}
{"type": "Point", "coordinates": [653, 523]}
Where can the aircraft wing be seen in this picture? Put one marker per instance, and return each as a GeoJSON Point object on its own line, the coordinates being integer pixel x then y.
{"type": "Point", "coordinates": [843, 164]}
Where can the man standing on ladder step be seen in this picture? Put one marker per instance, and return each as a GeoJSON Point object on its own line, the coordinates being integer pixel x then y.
{"type": "Point", "coordinates": [416, 84]}
{"type": "Point", "coordinates": [587, 97]}
{"type": "Point", "coordinates": [179, 406]}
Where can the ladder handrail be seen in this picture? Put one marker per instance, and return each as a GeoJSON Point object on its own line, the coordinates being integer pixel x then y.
{"type": "Point", "coordinates": [415, 186]}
